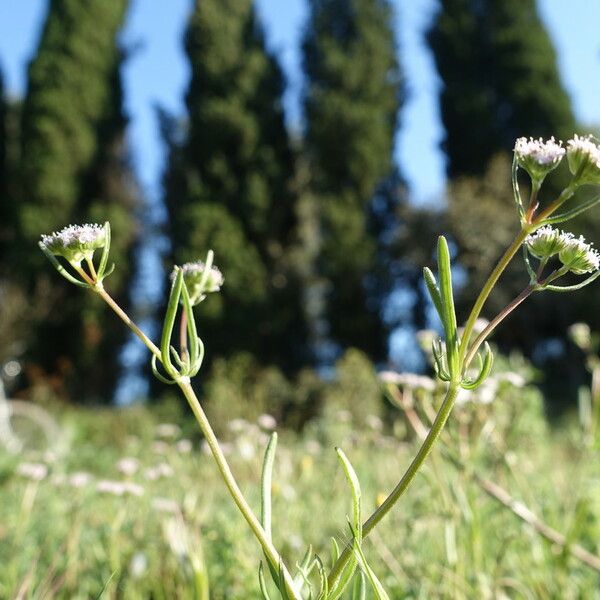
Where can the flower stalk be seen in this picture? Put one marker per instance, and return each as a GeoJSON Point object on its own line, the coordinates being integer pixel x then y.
{"type": "Point", "coordinates": [453, 355]}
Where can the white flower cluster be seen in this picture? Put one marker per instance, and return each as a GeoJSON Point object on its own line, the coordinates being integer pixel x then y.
{"type": "Point", "coordinates": [578, 255]}
{"type": "Point", "coordinates": [193, 274]}
{"type": "Point", "coordinates": [76, 242]}
{"type": "Point", "coordinates": [574, 253]}
{"type": "Point", "coordinates": [583, 156]}
{"type": "Point", "coordinates": [541, 152]}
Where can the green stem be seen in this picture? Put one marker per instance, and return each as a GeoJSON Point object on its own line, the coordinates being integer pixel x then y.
{"type": "Point", "coordinates": [405, 481]}
{"type": "Point", "coordinates": [495, 322]}
{"type": "Point", "coordinates": [185, 386]}
{"type": "Point", "coordinates": [487, 288]}
{"type": "Point", "coordinates": [267, 546]}
{"type": "Point", "coordinates": [125, 318]}
{"type": "Point", "coordinates": [564, 196]}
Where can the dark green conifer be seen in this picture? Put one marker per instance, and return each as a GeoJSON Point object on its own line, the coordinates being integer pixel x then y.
{"type": "Point", "coordinates": [229, 186]}
{"type": "Point", "coordinates": [500, 80]}
{"type": "Point", "coordinates": [351, 103]}
{"type": "Point", "coordinates": [74, 169]}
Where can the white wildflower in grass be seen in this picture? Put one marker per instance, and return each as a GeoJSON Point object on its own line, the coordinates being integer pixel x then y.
{"type": "Point", "coordinates": [160, 447]}
{"type": "Point", "coordinates": [34, 471]}
{"type": "Point", "coordinates": [538, 157]}
{"type": "Point", "coordinates": [119, 488]}
{"type": "Point", "coordinates": [168, 430]}
{"type": "Point", "coordinates": [267, 422]}
{"type": "Point", "coordinates": [410, 380]}
{"type": "Point", "coordinates": [128, 466]}
{"type": "Point", "coordinates": [138, 565]}
{"type": "Point", "coordinates": [184, 446]}
{"type": "Point", "coordinates": [165, 505]}
{"type": "Point", "coordinates": [76, 242]}
{"type": "Point", "coordinates": [237, 425]}
{"type": "Point", "coordinates": [158, 471]}
{"type": "Point", "coordinates": [105, 486]}
{"type": "Point", "coordinates": [583, 156]}
{"type": "Point", "coordinates": [546, 242]}
{"type": "Point", "coordinates": [80, 479]}
{"type": "Point", "coordinates": [579, 256]}
{"type": "Point", "coordinates": [133, 488]}
{"type": "Point", "coordinates": [197, 282]}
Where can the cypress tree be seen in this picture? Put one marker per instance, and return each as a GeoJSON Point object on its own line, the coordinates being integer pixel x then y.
{"type": "Point", "coordinates": [499, 78]}
{"type": "Point", "coordinates": [74, 168]}
{"type": "Point", "coordinates": [229, 186]}
{"type": "Point", "coordinates": [351, 103]}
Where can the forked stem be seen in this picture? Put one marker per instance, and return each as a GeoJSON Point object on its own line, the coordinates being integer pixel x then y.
{"type": "Point", "coordinates": [405, 481]}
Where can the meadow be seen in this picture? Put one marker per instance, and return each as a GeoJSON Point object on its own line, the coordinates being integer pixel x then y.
{"type": "Point", "coordinates": [128, 503]}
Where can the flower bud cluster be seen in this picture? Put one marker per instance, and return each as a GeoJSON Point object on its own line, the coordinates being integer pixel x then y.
{"type": "Point", "coordinates": [76, 242]}
{"type": "Point", "coordinates": [200, 281]}
{"type": "Point", "coordinates": [583, 156]}
{"type": "Point", "coordinates": [574, 253]}
{"type": "Point", "coordinates": [538, 157]}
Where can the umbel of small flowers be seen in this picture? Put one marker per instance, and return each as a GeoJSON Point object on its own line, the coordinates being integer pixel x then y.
{"type": "Point", "coordinates": [556, 253]}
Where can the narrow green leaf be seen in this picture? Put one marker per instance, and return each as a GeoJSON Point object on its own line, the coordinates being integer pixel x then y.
{"type": "Point", "coordinates": [60, 268]}
{"type": "Point", "coordinates": [266, 484]}
{"type": "Point", "coordinates": [191, 325]}
{"type": "Point", "coordinates": [169, 321]}
{"type": "Point", "coordinates": [569, 214]}
{"type": "Point", "coordinates": [572, 288]}
{"type": "Point", "coordinates": [323, 583]}
{"type": "Point", "coordinates": [105, 251]}
{"type": "Point", "coordinates": [262, 583]}
{"type": "Point", "coordinates": [158, 375]}
{"type": "Point", "coordinates": [449, 318]}
{"type": "Point", "coordinates": [485, 366]}
{"type": "Point", "coordinates": [378, 590]}
{"type": "Point", "coordinates": [516, 191]}
{"type": "Point", "coordinates": [356, 493]}
{"type": "Point", "coordinates": [359, 590]}
{"type": "Point", "coordinates": [434, 291]}
{"type": "Point", "coordinates": [335, 550]}
{"type": "Point", "coordinates": [530, 271]}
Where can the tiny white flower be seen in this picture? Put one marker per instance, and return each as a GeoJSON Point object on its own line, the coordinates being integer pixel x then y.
{"type": "Point", "coordinates": [184, 446]}
{"type": "Point", "coordinates": [165, 505]}
{"type": "Point", "coordinates": [76, 242]}
{"type": "Point", "coordinates": [33, 471]}
{"type": "Point", "coordinates": [138, 565]}
{"type": "Point", "coordinates": [168, 430]}
{"type": "Point", "coordinates": [128, 466]}
{"type": "Point", "coordinates": [133, 488]}
{"type": "Point", "coordinates": [409, 380]}
{"type": "Point", "coordinates": [538, 157]}
{"type": "Point", "coordinates": [267, 422]}
{"type": "Point", "coordinates": [105, 486]}
{"type": "Point", "coordinates": [79, 479]}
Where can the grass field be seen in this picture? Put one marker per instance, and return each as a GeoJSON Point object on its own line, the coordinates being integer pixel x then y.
{"type": "Point", "coordinates": [129, 504]}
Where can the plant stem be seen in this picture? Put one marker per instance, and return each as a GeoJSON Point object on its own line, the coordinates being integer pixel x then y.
{"type": "Point", "coordinates": [564, 196]}
{"type": "Point", "coordinates": [267, 546]}
{"type": "Point", "coordinates": [185, 386]}
{"type": "Point", "coordinates": [125, 318]}
{"type": "Point", "coordinates": [405, 481]}
{"type": "Point", "coordinates": [487, 288]}
{"type": "Point", "coordinates": [495, 322]}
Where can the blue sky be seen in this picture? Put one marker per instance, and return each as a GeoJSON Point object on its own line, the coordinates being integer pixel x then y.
{"type": "Point", "coordinates": [157, 72]}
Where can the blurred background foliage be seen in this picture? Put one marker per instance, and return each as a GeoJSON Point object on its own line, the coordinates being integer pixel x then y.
{"type": "Point", "coordinates": [314, 229]}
